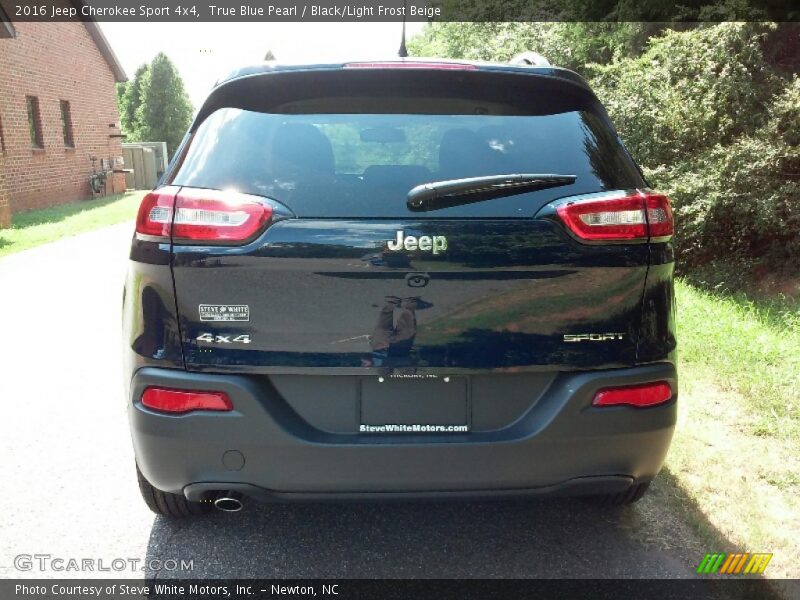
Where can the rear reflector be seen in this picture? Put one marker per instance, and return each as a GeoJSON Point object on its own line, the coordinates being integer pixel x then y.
{"type": "Point", "coordinates": [198, 215]}
{"type": "Point", "coordinates": [181, 401]}
{"type": "Point", "coordinates": [648, 394]}
{"type": "Point", "coordinates": [635, 216]}
{"type": "Point", "coordinates": [442, 66]}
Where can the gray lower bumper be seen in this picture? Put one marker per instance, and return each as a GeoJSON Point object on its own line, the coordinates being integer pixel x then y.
{"type": "Point", "coordinates": [262, 448]}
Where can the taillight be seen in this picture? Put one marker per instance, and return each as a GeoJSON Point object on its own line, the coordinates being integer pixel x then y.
{"type": "Point", "coordinates": [210, 215]}
{"type": "Point", "coordinates": [659, 216]}
{"type": "Point", "coordinates": [155, 213]}
{"type": "Point", "coordinates": [648, 394]}
{"type": "Point", "coordinates": [181, 401]}
{"type": "Point", "coordinates": [634, 217]}
{"type": "Point", "coordinates": [410, 64]}
{"type": "Point", "coordinates": [197, 215]}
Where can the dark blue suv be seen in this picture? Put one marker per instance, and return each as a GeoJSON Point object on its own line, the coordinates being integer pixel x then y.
{"type": "Point", "coordinates": [399, 279]}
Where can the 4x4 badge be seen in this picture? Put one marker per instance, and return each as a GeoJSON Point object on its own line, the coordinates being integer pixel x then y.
{"type": "Point", "coordinates": [212, 338]}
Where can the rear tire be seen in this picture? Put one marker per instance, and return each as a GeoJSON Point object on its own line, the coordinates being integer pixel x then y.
{"type": "Point", "coordinates": [629, 496]}
{"type": "Point", "coordinates": [167, 504]}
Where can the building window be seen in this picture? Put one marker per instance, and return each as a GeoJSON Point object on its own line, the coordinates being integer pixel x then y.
{"type": "Point", "coordinates": [66, 124]}
{"type": "Point", "coordinates": [2, 137]}
{"type": "Point", "coordinates": [34, 122]}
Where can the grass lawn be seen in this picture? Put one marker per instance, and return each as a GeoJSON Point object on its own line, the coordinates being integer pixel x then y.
{"type": "Point", "coordinates": [734, 465]}
{"type": "Point", "coordinates": [38, 227]}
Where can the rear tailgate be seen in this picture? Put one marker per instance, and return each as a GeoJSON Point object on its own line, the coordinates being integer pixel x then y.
{"type": "Point", "coordinates": [320, 293]}
{"type": "Point", "coordinates": [353, 282]}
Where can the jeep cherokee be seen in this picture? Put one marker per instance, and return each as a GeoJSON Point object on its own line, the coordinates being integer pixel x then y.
{"type": "Point", "coordinates": [411, 278]}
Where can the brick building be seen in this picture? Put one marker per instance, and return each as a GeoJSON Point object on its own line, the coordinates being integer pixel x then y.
{"type": "Point", "coordinates": [58, 109]}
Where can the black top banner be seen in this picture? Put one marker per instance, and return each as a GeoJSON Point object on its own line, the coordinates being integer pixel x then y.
{"type": "Point", "coordinates": [398, 10]}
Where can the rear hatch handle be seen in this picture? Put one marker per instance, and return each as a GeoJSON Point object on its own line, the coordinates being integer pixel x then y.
{"type": "Point", "coordinates": [457, 192]}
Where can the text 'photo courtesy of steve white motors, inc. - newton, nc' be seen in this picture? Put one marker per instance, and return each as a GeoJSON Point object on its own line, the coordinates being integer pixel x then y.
{"type": "Point", "coordinates": [227, 11]}
{"type": "Point", "coordinates": [176, 590]}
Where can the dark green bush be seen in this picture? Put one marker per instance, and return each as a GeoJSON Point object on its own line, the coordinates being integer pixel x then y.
{"type": "Point", "coordinates": [739, 201]}
{"type": "Point", "coordinates": [690, 90]}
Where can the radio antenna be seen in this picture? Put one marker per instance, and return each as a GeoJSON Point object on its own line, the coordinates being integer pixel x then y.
{"type": "Point", "coordinates": [403, 52]}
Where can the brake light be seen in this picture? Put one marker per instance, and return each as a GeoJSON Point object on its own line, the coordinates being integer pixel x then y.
{"type": "Point", "coordinates": [198, 215]}
{"type": "Point", "coordinates": [182, 401]}
{"type": "Point", "coordinates": [648, 394]}
{"type": "Point", "coordinates": [442, 66]}
{"type": "Point", "coordinates": [636, 216]}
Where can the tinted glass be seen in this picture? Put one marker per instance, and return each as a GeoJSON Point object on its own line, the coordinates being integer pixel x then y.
{"type": "Point", "coordinates": [363, 165]}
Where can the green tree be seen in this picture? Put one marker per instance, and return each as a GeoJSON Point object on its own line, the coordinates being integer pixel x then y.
{"type": "Point", "coordinates": [129, 96]}
{"type": "Point", "coordinates": [154, 106]}
{"type": "Point", "coordinates": [164, 112]}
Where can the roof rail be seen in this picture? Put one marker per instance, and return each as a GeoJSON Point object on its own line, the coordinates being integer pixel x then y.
{"type": "Point", "coordinates": [533, 59]}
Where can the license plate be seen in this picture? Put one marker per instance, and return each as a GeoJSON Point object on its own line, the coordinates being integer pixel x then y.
{"type": "Point", "coordinates": [411, 405]}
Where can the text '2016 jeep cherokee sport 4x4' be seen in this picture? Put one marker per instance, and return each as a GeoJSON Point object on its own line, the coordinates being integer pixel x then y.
{"type": "Point", "coordinates": [408, 278]}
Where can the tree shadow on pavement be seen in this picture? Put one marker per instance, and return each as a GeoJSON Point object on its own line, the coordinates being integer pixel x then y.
{"type": "Point", "coordinates": [536, 538]}
{"type": "Point", "coordinates": [664, 536]}
{"type": "Point", "coordinates": [427, 539]}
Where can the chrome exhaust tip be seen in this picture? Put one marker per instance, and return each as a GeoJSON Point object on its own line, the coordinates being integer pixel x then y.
{"type": "Point", "coordinates": [228, 502]}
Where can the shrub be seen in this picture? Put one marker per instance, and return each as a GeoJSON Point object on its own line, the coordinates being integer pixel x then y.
{"type": "Point", "coordinates": [741, 200]}
{"type": "Point", "coordinates": [569, 45]}
{"type": "Point", "coordinates": [690, 90]}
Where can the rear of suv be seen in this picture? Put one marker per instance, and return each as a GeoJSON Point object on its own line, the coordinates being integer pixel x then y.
{"type": "Point", "coordinates": [399, 279]}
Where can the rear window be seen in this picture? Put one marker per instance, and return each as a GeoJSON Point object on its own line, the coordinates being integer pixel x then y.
{"type": "Point", "coordinates": [321, 160]}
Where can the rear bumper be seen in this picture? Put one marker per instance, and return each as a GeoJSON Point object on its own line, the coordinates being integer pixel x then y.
{"type": "Point", "coordinates": [562, 445]}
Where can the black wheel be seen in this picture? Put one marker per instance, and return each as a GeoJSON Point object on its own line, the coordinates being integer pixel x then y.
{"type": "Point", "coordinates": [167, 504]}
{"type": "Point", "coordinates": [629, 496]}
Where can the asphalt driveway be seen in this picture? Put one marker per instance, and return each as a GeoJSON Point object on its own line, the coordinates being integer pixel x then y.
{"type": "Point", "coordinates": [70, 489]}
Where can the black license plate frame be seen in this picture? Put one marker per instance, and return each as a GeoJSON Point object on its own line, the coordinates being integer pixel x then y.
{"type": "Point", "coordinates": [414, 405]}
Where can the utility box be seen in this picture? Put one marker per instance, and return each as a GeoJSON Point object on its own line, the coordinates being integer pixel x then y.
{"type": "Point", "coordinates": [160, 154]}
{"type": "Point", "coordinates": [130, 169]}
{"type": "Point", "coordinates": [143, 160]}
{"type": "Point", "coordinates": [148, 160]}
{"type": "Point", "coordinates": [150, 173]}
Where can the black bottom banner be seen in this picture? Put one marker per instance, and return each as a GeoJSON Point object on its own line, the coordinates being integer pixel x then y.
{"type": "Point", "coordinates": [439, 589]}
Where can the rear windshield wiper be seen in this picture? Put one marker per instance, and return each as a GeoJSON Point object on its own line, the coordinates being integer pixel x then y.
{"type": "Point", "coordinates": [456, 192]}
